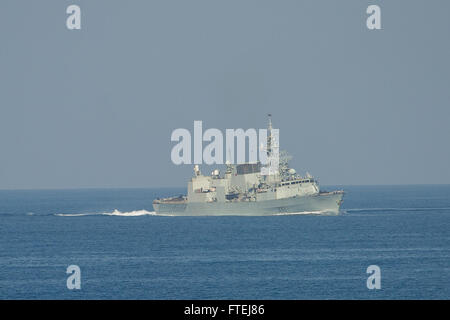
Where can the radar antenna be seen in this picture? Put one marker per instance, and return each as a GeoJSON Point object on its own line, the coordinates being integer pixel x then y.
{"type": "Point", "coordinates": [269, 136]}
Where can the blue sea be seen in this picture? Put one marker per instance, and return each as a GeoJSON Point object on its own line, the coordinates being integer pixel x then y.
{"type": "Point", "coordinates": [125, 251]}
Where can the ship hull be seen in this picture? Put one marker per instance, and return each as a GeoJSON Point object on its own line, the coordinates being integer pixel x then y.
{"type": "Point", "coordinates": [328, 203]}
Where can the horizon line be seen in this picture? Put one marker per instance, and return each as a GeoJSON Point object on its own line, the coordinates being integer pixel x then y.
{"type": "Point", "coordinates": [180, 187]}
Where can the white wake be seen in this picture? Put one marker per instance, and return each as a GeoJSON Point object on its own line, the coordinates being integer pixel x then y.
{"type": "Point", "coordinates": [321, 212]}
{"type": "Point", "coordinates": [136, 213]}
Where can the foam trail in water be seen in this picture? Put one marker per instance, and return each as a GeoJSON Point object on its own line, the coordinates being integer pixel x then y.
{"type": "Point", "coordinates": [116, 212]}
{"type": "Point", "coordinates": [129, 214]}
{"type": "Point", "coordinates": [75, 214]}
{"type": "Point", "coordinates": [395, 209]}
{"type": "Point", "coordinates": [304, 212]}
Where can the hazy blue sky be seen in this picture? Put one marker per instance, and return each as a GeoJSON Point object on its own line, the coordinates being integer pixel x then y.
{"type": "Point", "coordinates": [95, 107]}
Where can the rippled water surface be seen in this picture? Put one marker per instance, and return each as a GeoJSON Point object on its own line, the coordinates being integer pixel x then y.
{"type": "Point", "coordinates": [125, 251]}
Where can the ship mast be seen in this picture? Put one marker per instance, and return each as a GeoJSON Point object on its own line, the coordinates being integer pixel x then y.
{"type": "Point", "coordinates": [271, 148]}
{"type": "Point", "coordinates": [269, 136]}
{"type": "Point", "coordinates": [283, 157]}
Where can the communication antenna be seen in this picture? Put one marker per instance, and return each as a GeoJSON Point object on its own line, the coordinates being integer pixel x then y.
{"type": "Point", "coordinates": [269, 136]}
{"type": "Point", "coordinates": [197, 170]}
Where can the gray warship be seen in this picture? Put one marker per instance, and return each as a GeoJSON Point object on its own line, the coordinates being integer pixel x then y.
{"type": "Point", "coordinates": [243, 190]}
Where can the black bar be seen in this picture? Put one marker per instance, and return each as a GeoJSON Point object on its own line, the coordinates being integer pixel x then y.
{"type": "Point", "coordinates": [228, 309]}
